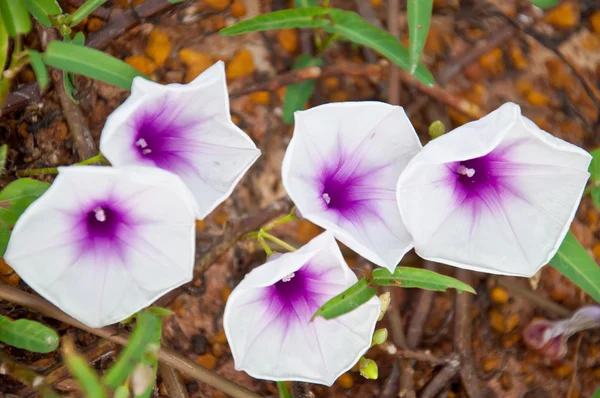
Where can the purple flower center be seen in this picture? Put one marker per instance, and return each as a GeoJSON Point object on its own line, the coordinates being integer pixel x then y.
{"type": "Point", "coordinates": [102, 222]}
{"type": "Point", "coordinates": [162, 138]}
{"type": "Point", "coordinates": [297, 296]}
{"type": "Point", "coordinates": [336, 193]}
{"type": "Point", "coordinates": [291, 287]}
{"type": "Point", "coordinates": [474, 173]}
{"type": "Point", "coordinates": [478, 178]}
{"type": "Point", "coordinates": [103, 228]}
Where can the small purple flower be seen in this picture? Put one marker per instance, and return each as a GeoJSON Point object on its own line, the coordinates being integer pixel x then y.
{"type": "Point", "coordinates": [185, 129]}
{"type": "Point", "coordinates": [341, 169]}
{"type": "Point", "coordinates": [496, 195]}
{"type": "Point", "coordinates": [103, 243]}
{"type": "Point", "coordinates": [268, 317]}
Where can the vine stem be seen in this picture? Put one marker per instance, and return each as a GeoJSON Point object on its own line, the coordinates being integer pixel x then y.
{"type": "Point", "coordinates": [278, 241]}
{"type": "Point", "coordinates": [54, 170]}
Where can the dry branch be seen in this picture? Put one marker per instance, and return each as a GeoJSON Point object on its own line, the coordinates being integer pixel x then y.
{"type": "Point", "coordinates": [121, 337]}
{"type": "Point", "coordinates": [78, 125]}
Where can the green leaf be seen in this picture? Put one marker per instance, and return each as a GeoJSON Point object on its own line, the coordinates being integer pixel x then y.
{"type": "Point", "coordinates": [293, 18]}
{"type": "Point", "coordinates": [597, 393]}
{"type": "Point", "coordinates": [150, 357]}
{"type": "Point", "coordinates": [28, 335]}
{"type": "Point", "coordinates": [419, 18]}
{"type": "Point", "coordinates": [91, 63]}
{"type": "Point", "coordinates": [41, 9]}
{"type": "Point", "coordinates": [351, 26]}
{"type": "Point", "coordinates": [595, 166]}
{"type": "Point", "coordinates": [3, 46]}
{"type": "Point", "coordinates": [41, 73]}
{"type": "Point", "coordinates": [15, 17]}
{"type": "Point", "coordinates": [3, 153]}
{"type": "Point", "coordinates": [297, 94]}
{"type": "Point", "coordinates": [82, 12]}
{"type": "Point", "coordinates": [350, 299]}
{"type": "Point", "coordinates": [159, 311]}
{"type": "Point", "coordinates": [69, 86]}
{"type": "Point", "coordinates": [79, 39]}
{"type": "Point", "coordinates": [574, 262]}
{"type": "Point", "coordinates": [81, 371]}
{"type": "Point", "coordinates": [144, 334]}
{"type": "Point", "coordinates": [417, 277]}
{"type": "Point", "coordinates": [175, 1]}
{"type": "Point", "coordinates": [306, 3]}
{"type": "Point", "coordinates": [14, 199]}
{"type": "Point", "coordinates": [284, 391]}
{"type": "Point", "coordinates": [544, 3]}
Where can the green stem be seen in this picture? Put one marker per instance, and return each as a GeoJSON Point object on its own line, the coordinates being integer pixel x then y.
{"type": "Point", "coordinates": [289, 217]}
{"type": "Point", "coordinates": [37, 172]}
{"type": "Point", "coordinates": [98, 158]}
{"type": "Point", "coordinates": [589, 189]}
{"type": "Point", "coordinates": [284, 392]}
{"type": "Point", "coordinates": [278, 241]}
{"type": "Point", "coordinates": [264, 245]}
{"type": "Point", "coordinates": [53, 170]}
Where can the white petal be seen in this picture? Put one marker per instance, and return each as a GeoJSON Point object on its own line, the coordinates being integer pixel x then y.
{"type": "Point", "coordinates": [275, 340]}
{"type": "Point", "coordinates": [102, 280]}
{"type": "Point", "coordinates": [340, 169]}
{"type": "Point", "coordinates": [514, 223]}
{"type": "Point", "coordinates": [185, 129]}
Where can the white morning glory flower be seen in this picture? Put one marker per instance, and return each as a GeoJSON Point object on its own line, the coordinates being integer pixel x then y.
{"type": "Point", "coordinates": [185, 129]}
{"type": "Point", "coordinates": [495, 195]}
{"type": "Point", "coordinates": [267, 317]}
{"type": "Point", "coordinates": [341, 169]}
{"type": "Point", "coordinates": [103, 243]}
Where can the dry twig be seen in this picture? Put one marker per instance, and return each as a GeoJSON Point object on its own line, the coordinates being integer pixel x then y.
{"type": "Point", "coordinates": [420, 312]}
{"type": "Point", "coordinates": [25, 375]}
{"type": "Point", "coordinates": [59, 372]}
{"type": "Point", "coordinates": [463, 337]}
{"type": "Point", "coordinates": [540, 301]}
{"type": "Point", "coordinates": [78, 125]}
{"type": "Point", "coordinates": [121, 337]}
{"type": "Point", "coordinates": [406, 381]}
{"type": "Point", "coordinates": [442, 378]}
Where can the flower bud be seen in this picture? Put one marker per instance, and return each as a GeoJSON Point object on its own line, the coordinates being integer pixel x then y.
{"type": "Point", "coordinates": [437, 129]}
{"type": "Point", "coordinates": [380, 336]}
{"type": "Point", "coordinates": [385, 299]}
{"type": "Point", "coordinates": [368, 369]}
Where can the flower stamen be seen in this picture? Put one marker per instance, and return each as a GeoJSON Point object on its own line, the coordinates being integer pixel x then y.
{"type": "Point", "coordinates": [141, 143]}
{"type": "Point", "coordinates": [100, 214]}
{"type": "Point", "coordinates": [288, 277]}
{"type": "Point", "coordinates": [144, 146]}
{"type": "Point", "coordinates": [465, 171]}
{"type": "Point", "coordinates": [326, 198]}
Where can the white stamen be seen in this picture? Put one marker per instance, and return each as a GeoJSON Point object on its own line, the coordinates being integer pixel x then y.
{"type": "Point", "coordinates": [141, 143]}
{"type": "Point", "coordinates": [146, 151]}
{"type": "Point", "coordinates": [99, 213]}
{"type": "Point", "coordinates": [465, 171]}
{"type": "Point", "coordinates": [288, 278]}
{"type": "Point", "coordinates": [326, 198]}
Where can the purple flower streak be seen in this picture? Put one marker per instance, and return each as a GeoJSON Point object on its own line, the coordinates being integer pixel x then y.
{"type": "Point", "coordinates": [165, 140]}
{"type": "Point", "coordinates": [292, 301]}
